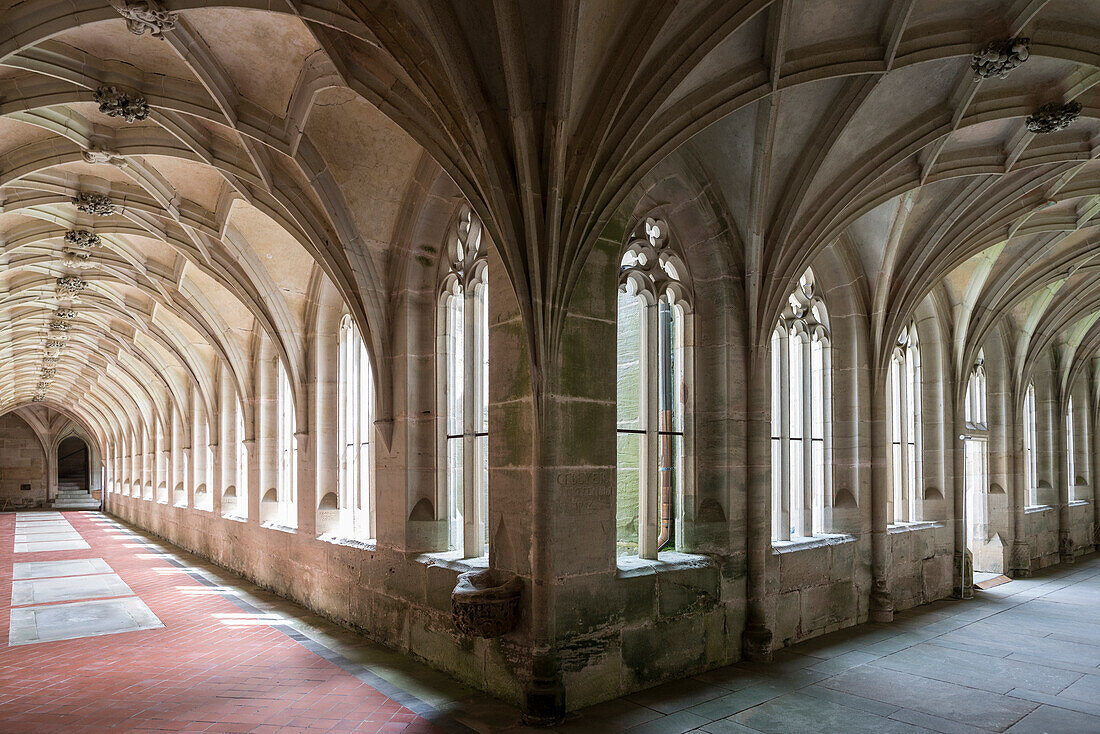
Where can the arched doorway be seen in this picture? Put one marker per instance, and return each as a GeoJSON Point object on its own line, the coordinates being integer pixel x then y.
{"type": "Point", "coordinates": [72, 466]}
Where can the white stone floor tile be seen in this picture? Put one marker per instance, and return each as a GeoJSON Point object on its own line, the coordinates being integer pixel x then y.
{"type": "Point", "coordinates": [57, 545]}
{"type": "Point", "coordinates": [47, 569]}
{"type": "Point", "coordinates": [79, 619]}
{"type": "Point", "coordinates": [45, 591]}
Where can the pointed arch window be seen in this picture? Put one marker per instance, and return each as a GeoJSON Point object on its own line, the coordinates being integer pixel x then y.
{"type": "Point", "coordinates": [1031, 438]}
{"type": "Point", "coordinates": [653, 394]}
{"type": "Point", "coordinates": [356, 434]}
{"type": "Point", "coordinates": [240, 497]}
{"type": "Point", "coordinates": [463, 347]}
{"type": "Point", "coordinates": [1071, 473]}
{"type": "Point", "coordinates": [904, 386]}
{"type": "Point", "coordinates": [801, 414]}
{"type": "Point", "coordinates": [288, 452]}
{"type": "Point", "coordinates": [975, 408]}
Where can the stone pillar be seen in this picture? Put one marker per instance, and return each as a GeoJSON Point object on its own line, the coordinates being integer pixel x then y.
{"type": "Point", "coordinates": [411, 507]}
{"type": "Point", "coordinates": [1094, 468]}
{"type": "Point", "coordinates": [1060, 456]}
{"type": "Point", "coordinates": [756, 642]}
{"type": "Point", "coordinates": [267, 443]}
{"type": "Point", "coordinates": [306, 485]}
{"type": "Point", "coordinates": [252, 495]}
{"type": "Point", "coordinates": [324, 418]}
{"type": "Point", "coordinates": [1020, 557]}
{"type": "Point", "coordinates": [881, 607]}
{"type": "Point", "coordinates": [226, 452]}
{"type": "Point", "coordinates": [962, 560]}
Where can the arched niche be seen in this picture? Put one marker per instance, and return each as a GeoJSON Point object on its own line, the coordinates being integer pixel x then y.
{"type": "Point", "coordinates": [23, 465]}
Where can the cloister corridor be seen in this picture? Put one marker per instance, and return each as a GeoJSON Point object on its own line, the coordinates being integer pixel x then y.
{"type": "Point", "coordinates": [582, 366]}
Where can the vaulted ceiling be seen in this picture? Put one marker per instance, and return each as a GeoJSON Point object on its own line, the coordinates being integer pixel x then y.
{"type": "Point", "coordinates": [293, 145]}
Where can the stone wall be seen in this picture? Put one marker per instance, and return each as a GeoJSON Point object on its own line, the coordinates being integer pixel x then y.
{"type": "Point", "coordinates": [22, 463]}
{"type": "Point", "coordinates": [401, 600]}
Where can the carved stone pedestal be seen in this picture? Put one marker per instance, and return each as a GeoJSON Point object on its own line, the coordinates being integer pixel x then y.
{"type": "Point", "coordinates": [485, 603]}
{"type": "Point", "coordinates": [963, 587]}
{"type": "Point", "coordinates": [756, 644]}
{"type": "Point", "coordinates": [1020, 562]}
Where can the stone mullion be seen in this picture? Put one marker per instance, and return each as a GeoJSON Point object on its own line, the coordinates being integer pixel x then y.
{"type": "Point", "coordinates": [807, 438]}
{"type": "Point", "coordinates": [648, 501]}
{"type": "Point", "coordinates": [784, 388]}
{"type": "Point", "coordinates": [471, 475]}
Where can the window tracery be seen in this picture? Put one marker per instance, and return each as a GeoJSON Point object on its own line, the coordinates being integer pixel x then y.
{"type": "Point", "coordinates": [904, 387]}
{"type": "Point", "coordinates": [653, 373]}
{"type": "Point", "coordinates": [464, 389]}
{"type": "Point", "coordinates": [801, 414]}
{"type": "Point", "coordinates": [356, 431]}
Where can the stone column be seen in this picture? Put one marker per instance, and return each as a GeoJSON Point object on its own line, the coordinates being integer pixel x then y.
{"type": "Point", "coordinates": [267, 426]}
{"type": "Point", "coordinates": [252, 495]}
{"type": "Point", "coordinates": [1060, 456]}
{"type": "Point", "coordinates": [756, 642]}
{"type": "Point", "coordinates": [881, 604]}
{"type": "Point", "coordinates": [1020, 557]}
{"type": "Point", "coordinates": [226, 452]}
{"type": "Point", "coordinates": [411, 507]}
{"type": "Point", "coordinates": [306, 485]}
{"type": "Point", "coordinates": [962, 561]}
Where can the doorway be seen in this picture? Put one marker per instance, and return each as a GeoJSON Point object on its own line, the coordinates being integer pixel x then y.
{"type": "Point", "coordinates": [72, 465]}
{"type": "Point", "coordinates": [977, 501]}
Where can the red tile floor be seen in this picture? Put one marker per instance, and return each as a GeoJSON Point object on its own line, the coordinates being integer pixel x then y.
{"type": "Point", "coordinates": [201, 672]}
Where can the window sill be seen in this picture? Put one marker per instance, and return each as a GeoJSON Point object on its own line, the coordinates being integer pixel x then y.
{"type": "Point", "coordinates": [235, 518]}
{"type": "Point", "coordinates": [368, 545]}
{"type": "Point", "coordinates": [817, 541]}
{"type": "Point", "coordinates": [1032, 509]}
{"type": "Point", "coordinates": [280, 528]}
{"type": "Point", "coordinates": [665, 562]}
{"type": "Point", "coordinates": [907, 527]}
{"type": "Point", "coordinates": [181, 505]}
{"type": "Point", "coordinates": [1079, 503]}
{"type": "Point", "coordinates": [454, 561]}
{"type": "Point", "coordinates": [162, 502]}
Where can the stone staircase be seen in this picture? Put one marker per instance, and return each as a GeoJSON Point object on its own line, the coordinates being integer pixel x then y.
{"type": "Point", "coordinates": [71, 497]}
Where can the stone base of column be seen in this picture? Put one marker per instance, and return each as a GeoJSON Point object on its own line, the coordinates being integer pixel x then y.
{"type": "Point", "coordinates": [882, 606]}
{"type": "Point", "coordinates": [963, 585]}
{"type": "Point", "coordinates": [756, 644]}
{"type": "Point", "coordinates": [1066, 547]}
{"type": "Point", "coordinates": [1020, 561]}
{"type": "Point", "coordinates": [544, 703]}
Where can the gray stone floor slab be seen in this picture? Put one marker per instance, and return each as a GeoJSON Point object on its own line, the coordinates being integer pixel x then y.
{"type": "Point", "coordinates": [994, 674]}
{"type": "Point", "coordinates": [57, 545]}
{"type": "Point", "coordinates": [79, 619]}
{"type": "Point", "coordinates": [47, 569]}
{"type": "Point", "coordinates": [46, 591]}
{"type": "Point", "coordinates": [948, 700]}
{"type": "Point", "coordinates": [1087, 688]}
{"type": "Point", "coordinates": [1051, 720]}
{"type": "Point", "coordinates": [796, 713]}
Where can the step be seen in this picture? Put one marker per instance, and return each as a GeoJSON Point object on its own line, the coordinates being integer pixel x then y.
{"type": "Point", "coordinates": [87, 504]}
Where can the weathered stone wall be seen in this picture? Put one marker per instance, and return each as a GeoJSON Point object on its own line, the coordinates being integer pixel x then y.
{"type": "Point", "coordinates": [22, 462]}
{"type": "Point", "coordinates": [401, 600]}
